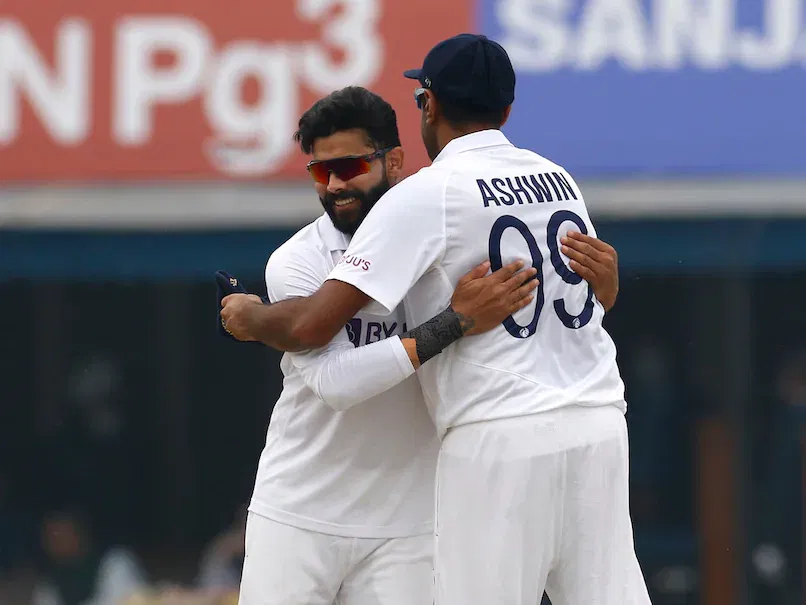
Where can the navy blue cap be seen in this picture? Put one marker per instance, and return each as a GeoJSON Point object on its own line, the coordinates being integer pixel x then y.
{"type": "Point", "coordinates": [469, 70]}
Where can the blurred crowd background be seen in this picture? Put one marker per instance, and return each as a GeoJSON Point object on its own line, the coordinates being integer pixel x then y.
{"type": "Point", "coordinates": [146, 144]}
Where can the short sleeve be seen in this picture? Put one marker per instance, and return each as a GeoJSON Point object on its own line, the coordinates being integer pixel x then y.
{"type": "Point", "coordinates": [293, 272]}
{"type": "Point", "coordinates": [402, 237]}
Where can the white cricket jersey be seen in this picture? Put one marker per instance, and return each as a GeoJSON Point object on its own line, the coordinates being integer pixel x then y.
{"type": "Point", "coordinates": [344, 455]}
{"type": "Point", "coordinates": [485, 198]}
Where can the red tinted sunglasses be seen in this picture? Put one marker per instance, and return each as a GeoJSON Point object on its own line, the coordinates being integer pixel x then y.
{"type": "Point", "coordinates": [346, 168]}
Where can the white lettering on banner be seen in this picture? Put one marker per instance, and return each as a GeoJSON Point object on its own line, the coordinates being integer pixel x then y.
{"type": "Point", "coordinates": [249, 138]}
{"type": "Point", "coordinates": [773, 49]}
{"type": "Point", "coordinates": [140, 86]}
{"type": "Point", "coordinates": [354, 32]}
{"type": "Point", "coordinates": [640, 35]}
{"type": "Point", "coordinates": [257, 137]}
{"type": "Point", "coordinates": [701, 29]}
{"type": "Point", "coordinates": [612, 29]}
{"type": "Point", "coordinates": [61, 100]}
{"type": "Point", "coordinates": [536, 32]}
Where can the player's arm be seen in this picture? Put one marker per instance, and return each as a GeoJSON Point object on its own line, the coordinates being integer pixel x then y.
{"type": "Point", "coordinates": [397, 243]}
{"type": "Point", "coordinates": [285, 326]}
{"type": "Point", "coordinates": [300, 323]}
{"type": "Point", "coordinates": [342, 375]}
{"type": "Point", "coordinates": [596, 262]}
{"type": "Point", "coordinates": [338, 373]}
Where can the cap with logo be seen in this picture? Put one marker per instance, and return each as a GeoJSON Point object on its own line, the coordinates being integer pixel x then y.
{"type": "Point", "coordinates": [469, 70]}
{"type": "Point", "coordinates": [226, 285]}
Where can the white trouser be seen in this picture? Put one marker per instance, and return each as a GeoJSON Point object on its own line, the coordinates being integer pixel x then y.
{"type": "Point", "coordinates": [533, 503]}
{"type": "Point", "coordinates": [285, 565]}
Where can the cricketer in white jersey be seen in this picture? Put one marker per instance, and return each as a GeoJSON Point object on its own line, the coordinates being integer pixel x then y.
{"type": "Point", "coordinates": [336, 480]}
{"type": "Point", "coordinates": [490, 580]}
{"type": "Point", "coordinates": [532, 486]}
{"type": "Point", "coordinates": [343, 510]}
{"type": "Point", "coordinates": [532, 478]}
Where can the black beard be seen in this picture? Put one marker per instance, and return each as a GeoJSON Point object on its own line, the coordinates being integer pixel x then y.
{"type": "Point", "coordinates": [366, 200]}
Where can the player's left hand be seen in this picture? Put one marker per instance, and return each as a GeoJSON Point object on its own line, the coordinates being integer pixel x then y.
{"type": "Point", "coordinates": [484, 301]}
{"type": "Point", "coordinates": [594, 261]}
{"type": "Point", "coordinates": [236, 314]}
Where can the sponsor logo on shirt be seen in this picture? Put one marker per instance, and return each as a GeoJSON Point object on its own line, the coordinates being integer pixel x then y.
{"type": "Point", "coordinates": [362, 332]}
{"type": "Point", "coordinates": [349, 259]}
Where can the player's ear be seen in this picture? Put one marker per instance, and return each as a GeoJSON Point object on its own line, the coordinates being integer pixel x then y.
{"type": "Point", "coordinates": [431, 107]}
{"type": "Point", "coordinates": [394, 164]}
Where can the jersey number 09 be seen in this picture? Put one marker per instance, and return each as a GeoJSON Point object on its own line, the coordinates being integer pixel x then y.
{"type": "Point", "coordinates": [573, 322]}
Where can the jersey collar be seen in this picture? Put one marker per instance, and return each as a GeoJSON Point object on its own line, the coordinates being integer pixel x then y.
{"type": "Point", "coordinates": [470, 142]}
{"type": "Point", "coordinates": [334, 239]}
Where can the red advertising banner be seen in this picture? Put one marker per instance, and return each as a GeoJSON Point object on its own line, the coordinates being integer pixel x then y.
{"type": "Point", "coordinates": [130, 90]}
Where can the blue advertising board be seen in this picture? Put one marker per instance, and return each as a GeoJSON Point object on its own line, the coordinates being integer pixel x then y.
{"type": "Point", "coordinates": [646, 88]}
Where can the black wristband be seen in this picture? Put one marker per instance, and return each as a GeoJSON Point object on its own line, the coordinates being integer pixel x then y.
{"type": "Point", "coordinates": [437, 333]}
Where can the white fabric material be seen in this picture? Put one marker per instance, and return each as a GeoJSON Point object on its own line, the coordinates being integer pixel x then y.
{"type": "Point", "coordinates": [287, 565]}
{"type": "Point", "coordinates": [484, 198]}
{"type": "Point", "coordinates": [372, 370]}
{"type": "Point", "coordinates": [331, 465]}
{"type": "Point", "coordinates": [537, 503]}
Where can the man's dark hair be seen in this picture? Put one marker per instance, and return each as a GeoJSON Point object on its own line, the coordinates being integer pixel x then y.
{"type": "Point", "coordinates": [459, 115]}
{"type": "Point", "coordinates": [350, 108]}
